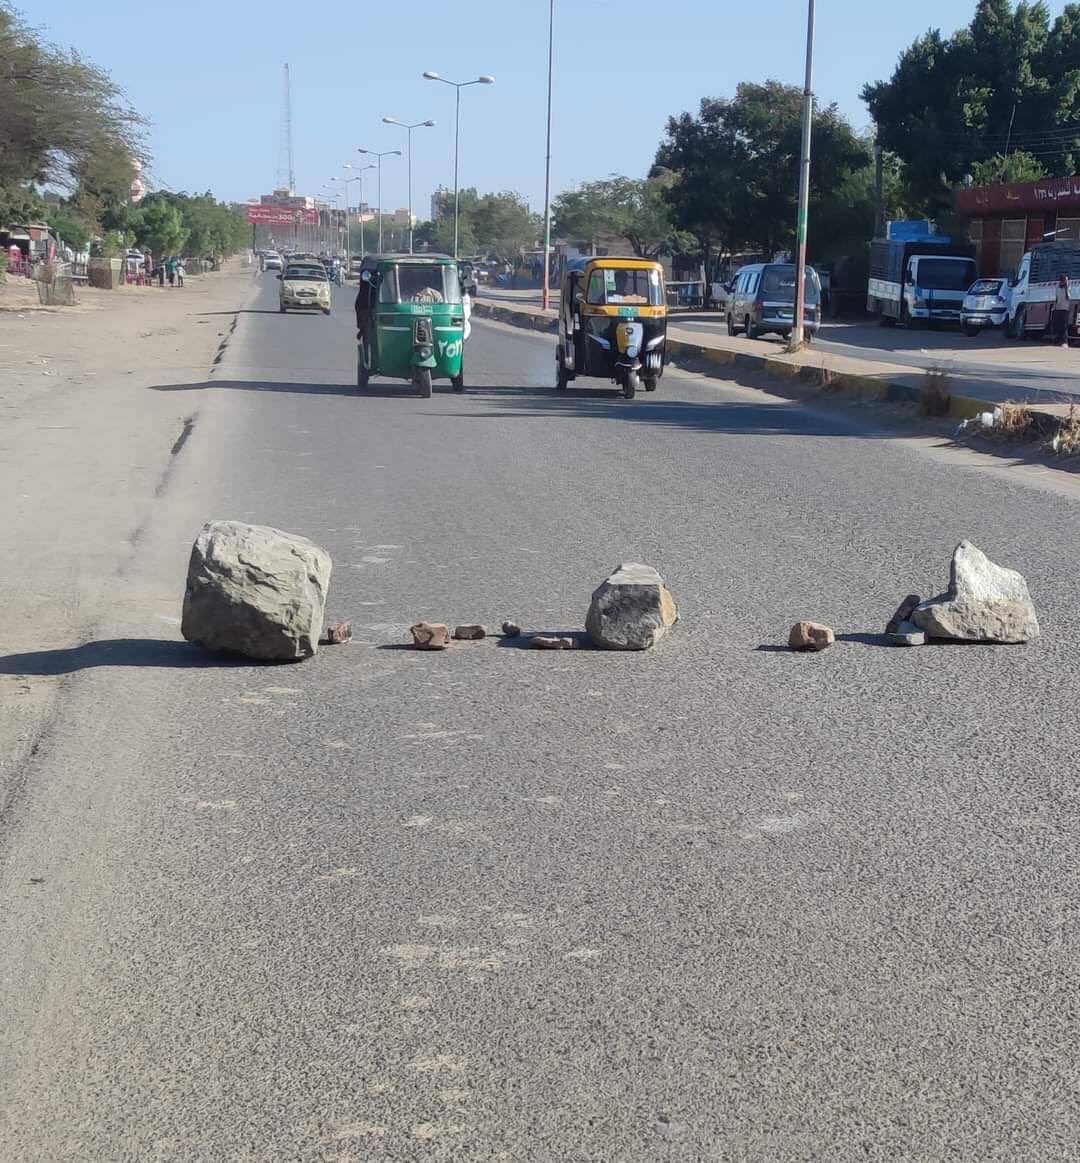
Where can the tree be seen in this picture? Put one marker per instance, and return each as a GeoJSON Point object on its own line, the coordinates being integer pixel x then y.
{"type": "Point", "coordinates": [60, 115]}
{"type": "Point", "coordinates": [162, 228]}
{"type": "Point", "coordinates": [1019, 166]}
{"type": "Point", "coordinates": [1009, 81]}
{"type": "Point", "coordinates": [736, 166]}
{"type": "Point", "coordinates": [636, 209]}
{"type": "Point", "coordinates": [502, 226]}
{"type": "Point", "coordinates": [72, 229]}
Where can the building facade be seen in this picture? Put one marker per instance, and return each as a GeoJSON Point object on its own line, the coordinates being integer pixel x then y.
{"type": "Point", "coordinates": [1004, 221]}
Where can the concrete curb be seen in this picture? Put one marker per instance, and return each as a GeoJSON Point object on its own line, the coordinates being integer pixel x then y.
{"type": "Point", "coordinates": [862, 387]}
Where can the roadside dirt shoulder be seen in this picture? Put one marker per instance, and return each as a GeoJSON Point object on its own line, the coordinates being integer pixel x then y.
{"type": "Point", "coordinates": [86, 452]}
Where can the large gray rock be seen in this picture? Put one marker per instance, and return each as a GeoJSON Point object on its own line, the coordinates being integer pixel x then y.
{"type": "Point", "coordinates": [985, 602]}
{"type": "Point", "coordinates": [255, 591]}
{"type": "Point", "coordinates": [632, 610]}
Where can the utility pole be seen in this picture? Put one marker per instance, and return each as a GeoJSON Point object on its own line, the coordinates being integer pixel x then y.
{"type": "Point", "coordinates": [804, 187]}
{"type": "Point", "coordinates": [547, 165]}
{"type": "Point", "coordinates": [879, 189]}
{"type": "Point", "coordinates": [288, 130]}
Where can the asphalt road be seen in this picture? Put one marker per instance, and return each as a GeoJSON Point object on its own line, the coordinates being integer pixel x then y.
{"type": "Point", "coordinates": [718, 901]}
{"type": "Point", "coordinates": [987, 365]}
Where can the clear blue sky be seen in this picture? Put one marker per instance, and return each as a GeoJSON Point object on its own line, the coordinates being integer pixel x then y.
{"type": "Point", "coordinates": [208, 75]}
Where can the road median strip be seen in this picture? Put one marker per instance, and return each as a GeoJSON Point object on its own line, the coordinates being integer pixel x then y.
{"type": "Point", "coordinates": [808, 367]}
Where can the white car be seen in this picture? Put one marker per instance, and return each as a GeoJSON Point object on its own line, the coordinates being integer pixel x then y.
{"type": "Point", "coordinates": [986, 304]}
{"type": "Point", "coordinates": [272, 262]}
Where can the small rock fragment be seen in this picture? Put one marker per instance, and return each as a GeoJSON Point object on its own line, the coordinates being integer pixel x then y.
{"type": "Point", "coordinates": [903, 613]}
{"type": "Point", "coordinates": [430, 636]}
{"type": "Point", "coordinates": [631, 610]}
{"type": "Point", "coordinates": [470, 633]}
{"type": "Point", "coordinates": [984, 603]}
{"type": "Point", "coordinates": [338, 632]}
{"type": "Point", "coordinates": [905, 634]}
{"type": "Point", "coordinates": [810, 636]}
{"type": "Point", "coordinates": [511, 629]}
{"type": "Point", "coordinates": [549, 642]}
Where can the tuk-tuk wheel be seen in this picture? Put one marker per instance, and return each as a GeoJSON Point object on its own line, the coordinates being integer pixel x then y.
{"type": "Point", "coordinates": [422, 379]}
{"type": "Point", "coordinates": [562, 376]}
{"type": "Point", "coordinates": [630, 385]}
{"type": "Point", "coordinates": [363, 376]}
{"type": "Point", "coordinates": [326, 310]}
{"type": "Point", "coordinates": [458, 382]}
{"type": "Point", "coordinates": [650, 384]}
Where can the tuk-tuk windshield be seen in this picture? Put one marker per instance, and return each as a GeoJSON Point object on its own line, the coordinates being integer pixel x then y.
{"type": "Point", "coordinates": [617, 287]}
{"type": "Point", "coordinates": [420, 283]}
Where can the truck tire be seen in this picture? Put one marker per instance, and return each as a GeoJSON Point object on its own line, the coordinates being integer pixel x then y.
{"type": "Point", "coordinates": [970, 329]}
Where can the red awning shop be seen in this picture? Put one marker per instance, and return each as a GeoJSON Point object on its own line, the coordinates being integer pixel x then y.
{"type": "Point", "coordinates": [1004, 221]}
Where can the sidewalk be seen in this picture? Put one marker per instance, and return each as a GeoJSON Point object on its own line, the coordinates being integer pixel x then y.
{"type": "Point", "coordinates": [865, 379]}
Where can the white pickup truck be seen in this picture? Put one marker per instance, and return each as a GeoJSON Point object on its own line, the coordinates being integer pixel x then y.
{"type": "Point", "coordinates": [1034, 288]}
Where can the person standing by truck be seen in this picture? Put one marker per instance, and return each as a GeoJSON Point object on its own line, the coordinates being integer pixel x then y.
{"type": "Point", "coordinates": [1062, 311]}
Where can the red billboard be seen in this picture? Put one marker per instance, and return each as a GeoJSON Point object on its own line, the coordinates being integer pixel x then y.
{"type": "Point", "coordinates": [1045, 194]}
{"type": "Point", "coordinates": [262, 215]}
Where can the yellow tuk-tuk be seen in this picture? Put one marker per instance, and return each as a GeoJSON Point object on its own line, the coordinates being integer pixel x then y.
{"type": "Point", "coordinates": [612, 323]}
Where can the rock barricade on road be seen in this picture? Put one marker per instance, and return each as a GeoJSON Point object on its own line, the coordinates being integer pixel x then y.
{"type": "Point", "coordinates": [430, 635]}
{"type": "Point", "coordinates": [631, 610]}
{"type": "Point", "coordinates": [255, 591]}
{"type": "Point", "coordinates": [472, 632]}
{"type": "Point", "coordinates": [550, 642]}
{"type": "Point", "coordinates": [810, 636]}
{"type": "Point", "coordinates": [984, 603]}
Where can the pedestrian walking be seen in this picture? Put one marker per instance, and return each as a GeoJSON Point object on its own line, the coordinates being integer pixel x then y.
{"type": "Point", "coordinates": [161, 273]}
{"type": "Point", "coordinates": [170, 269]}
{"type": "Point", "coordinates": [180, 272]}
{"type": "Point", "coordinates": [1062, 311]}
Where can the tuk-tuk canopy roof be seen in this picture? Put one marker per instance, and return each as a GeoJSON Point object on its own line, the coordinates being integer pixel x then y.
{"type": "Point", "coordinates": [613, 262]}
{"type": "Point", "coordinates": [372, 261]}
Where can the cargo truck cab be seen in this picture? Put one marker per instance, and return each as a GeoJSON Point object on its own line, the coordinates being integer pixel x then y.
{"type": "Point", "coordinates": [935, 287]}
{"type": "Point", "coordinates": [919, 280]}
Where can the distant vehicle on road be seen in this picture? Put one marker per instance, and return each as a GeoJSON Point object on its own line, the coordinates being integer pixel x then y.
{"type": "Point", "coordinates": [612, 323]}
{"type": "Point", "coordinates": [986, 304]}
{"type": "Point", "coordinates": [1034, 288]}
{"type": "Point", "coordinates": [919, 279]}
{"type": "Point", "coordinates": [762, 299]}
{"type": "Point", "coordinates": [720, 294]}
{"type": "Point", "coordinates": [410, 321]}
{"type": "Point", "coordinates": [272, 262]}
{"type": "Point", "coordinates": [304, 287]}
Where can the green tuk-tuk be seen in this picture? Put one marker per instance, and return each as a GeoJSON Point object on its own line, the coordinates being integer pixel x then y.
{"type": "Point", "coordinates": [410, 320]}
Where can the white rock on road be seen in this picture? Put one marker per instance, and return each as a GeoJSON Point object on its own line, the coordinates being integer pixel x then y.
{"type": "Point", "coordinates": [255, 591]}
{"type": "Point", "coordinates": [984, 603]}
{"type": "Point", "coordinates": [631, 610]}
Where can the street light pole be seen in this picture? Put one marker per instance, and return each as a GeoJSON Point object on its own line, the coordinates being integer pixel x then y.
{"type": "Point", "coordinates": [378, 158]}
{"type": "Point", "coordinates": [359, 207]}
{"type": "Point", "coordinates": [547, 164]}
{"type": "Point", "coordinates": [409, 129]}
{"type": "Point", "coordinates": [483, 79]}
{"type": "Point", "coordinates": [797, 336]}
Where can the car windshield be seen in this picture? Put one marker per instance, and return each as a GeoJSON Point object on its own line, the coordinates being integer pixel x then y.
{"type": "Point", "coordinates": [615, 287]}
{"type": "Point", "coordinates": [778, 283]}
{"type": "Point", "coordinates": [945, 274]}
{"type": "Point", "coordinates": [985, 287]}
{"type": "Point", "coordinates": [306, 272]}
{"type": "Point", "coordinates": [420, 283]}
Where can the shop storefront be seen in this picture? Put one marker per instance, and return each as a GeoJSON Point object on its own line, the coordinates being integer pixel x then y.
{"type": "Point", "coordinates": [1004, 221]}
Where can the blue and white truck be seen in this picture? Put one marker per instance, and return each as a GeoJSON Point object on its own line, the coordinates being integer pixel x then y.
{"type": "Point", "coordinates": [917, 275]}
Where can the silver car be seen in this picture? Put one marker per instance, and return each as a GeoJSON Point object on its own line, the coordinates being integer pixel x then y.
{"type": "Point", "coordinates": [986, 304]}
